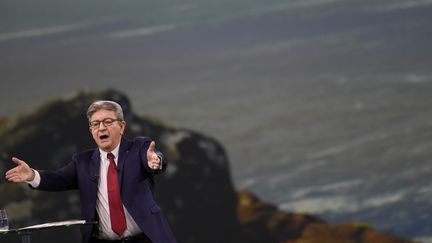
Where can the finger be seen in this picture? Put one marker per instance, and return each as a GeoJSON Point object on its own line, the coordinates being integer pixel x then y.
{"type": "Point", "coordinates": [154, 164]}
{"type": "Point", "coordinates": [9, 174]}
{"type": "Point", "coordinates": [13, 176]}
{"type": "Point", "coordinates": [16, 179]}
{"type": "Point", "coordinates": [151, 165]}
{"type": "Point", "coordinates": [12, 171]}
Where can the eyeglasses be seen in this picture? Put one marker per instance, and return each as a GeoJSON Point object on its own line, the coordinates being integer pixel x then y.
{"type": "Point", "coordinates": [106, 122]}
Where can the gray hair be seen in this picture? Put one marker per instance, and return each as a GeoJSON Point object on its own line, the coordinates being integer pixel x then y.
{"type": "Point", "coordinates": [105, 105]}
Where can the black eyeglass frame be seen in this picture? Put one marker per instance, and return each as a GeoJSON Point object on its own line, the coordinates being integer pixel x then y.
{"type": "Point", "coordinates": [106, 122]}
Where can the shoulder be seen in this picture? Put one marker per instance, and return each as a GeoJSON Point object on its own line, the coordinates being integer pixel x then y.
{"type": "Point", "coordinates": [138, 141]}
{"type": "Point", "coordinates": [84, 155]}
{"type": "Point", "coordinates": [142, 139]}
{"type": "Point", "coordinates": [135, 143]}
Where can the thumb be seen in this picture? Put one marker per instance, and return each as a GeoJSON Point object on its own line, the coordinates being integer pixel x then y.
{"type": "Point", "coordinates": [151, 148]}
{"type": "Point", "coordinates": [17, 161]}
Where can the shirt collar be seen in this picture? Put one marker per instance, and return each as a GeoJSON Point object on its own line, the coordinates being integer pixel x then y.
{"type": "Point", "coordinates": [115, 152]}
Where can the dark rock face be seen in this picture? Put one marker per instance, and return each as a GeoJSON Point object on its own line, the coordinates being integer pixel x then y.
{"type": "Point", "coordinates": [196, 192]}
{"type": "Point", "coordinates": [262, 222]}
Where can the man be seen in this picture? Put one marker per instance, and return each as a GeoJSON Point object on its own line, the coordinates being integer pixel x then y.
{"type": "Point", "coordinates": [115, 181]}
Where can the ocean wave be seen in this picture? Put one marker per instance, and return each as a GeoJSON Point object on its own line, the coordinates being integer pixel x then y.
{"type": "Point", "coordinates": [397, 5]}
{"type": "Point", "coordinates": [40, 31]}
{"type": "Point", "coordinates": [342, 204]}
{"type": "Point", "coordinates": [417, 78]}
{"type": "Point", "coordinates": [143, 31]}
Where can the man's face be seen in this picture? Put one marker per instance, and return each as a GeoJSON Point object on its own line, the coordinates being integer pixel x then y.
{"type": "Point", "coordinates": [107, 137]}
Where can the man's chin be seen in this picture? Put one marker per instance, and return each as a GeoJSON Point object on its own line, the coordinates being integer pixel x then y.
{"type": "Point", "coordinates": [104, 145]}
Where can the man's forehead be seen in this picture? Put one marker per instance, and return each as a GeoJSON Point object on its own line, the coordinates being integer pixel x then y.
{"type": "Point", "coordinates": [103, 114]}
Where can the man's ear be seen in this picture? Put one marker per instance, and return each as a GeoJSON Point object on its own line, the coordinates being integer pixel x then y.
{"type": "Point", "coordinates": [123, 127]}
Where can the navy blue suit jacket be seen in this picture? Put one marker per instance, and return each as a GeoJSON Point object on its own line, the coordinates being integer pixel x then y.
{"type": "Point", "coordinates": [136, 185]}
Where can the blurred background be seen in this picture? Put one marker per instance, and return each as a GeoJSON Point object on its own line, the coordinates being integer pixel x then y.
{"type": "Point", "coordinates": [323, 106]}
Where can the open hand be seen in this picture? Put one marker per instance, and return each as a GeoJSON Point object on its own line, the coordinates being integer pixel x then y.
{"type": "Point", "coordinates": [20, 173]}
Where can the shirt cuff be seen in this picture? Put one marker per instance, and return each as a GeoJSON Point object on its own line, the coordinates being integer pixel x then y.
{"type": "Point", "coordinates": [160, 158]}
{"type": "Point", "coordinates": [36, 180]}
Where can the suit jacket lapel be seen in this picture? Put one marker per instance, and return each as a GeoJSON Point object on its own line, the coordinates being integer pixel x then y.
{"type": "Point", "coordinates": [95, 166]}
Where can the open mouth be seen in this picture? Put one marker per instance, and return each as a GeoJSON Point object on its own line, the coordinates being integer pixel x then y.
{"type": "Point", "coordinates": [103, 137]}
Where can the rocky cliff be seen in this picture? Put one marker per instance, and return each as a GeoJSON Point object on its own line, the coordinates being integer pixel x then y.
{"type": "Point", "coordinates": [196, 192]}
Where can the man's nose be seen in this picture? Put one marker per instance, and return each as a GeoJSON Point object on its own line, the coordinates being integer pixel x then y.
{"type": "Point", "coordinates": [103, 126]}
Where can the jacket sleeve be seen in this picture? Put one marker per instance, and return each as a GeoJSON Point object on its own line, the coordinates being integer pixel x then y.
{"type": "Point", "coordinates": [62, 179]}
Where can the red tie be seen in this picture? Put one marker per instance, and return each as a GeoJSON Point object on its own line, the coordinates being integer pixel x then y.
{"type": "Point", "coordinates": [118, 220]}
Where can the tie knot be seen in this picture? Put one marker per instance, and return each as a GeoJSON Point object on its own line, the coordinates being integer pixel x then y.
{"type": "Point", "coordinates": [110, 156]}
